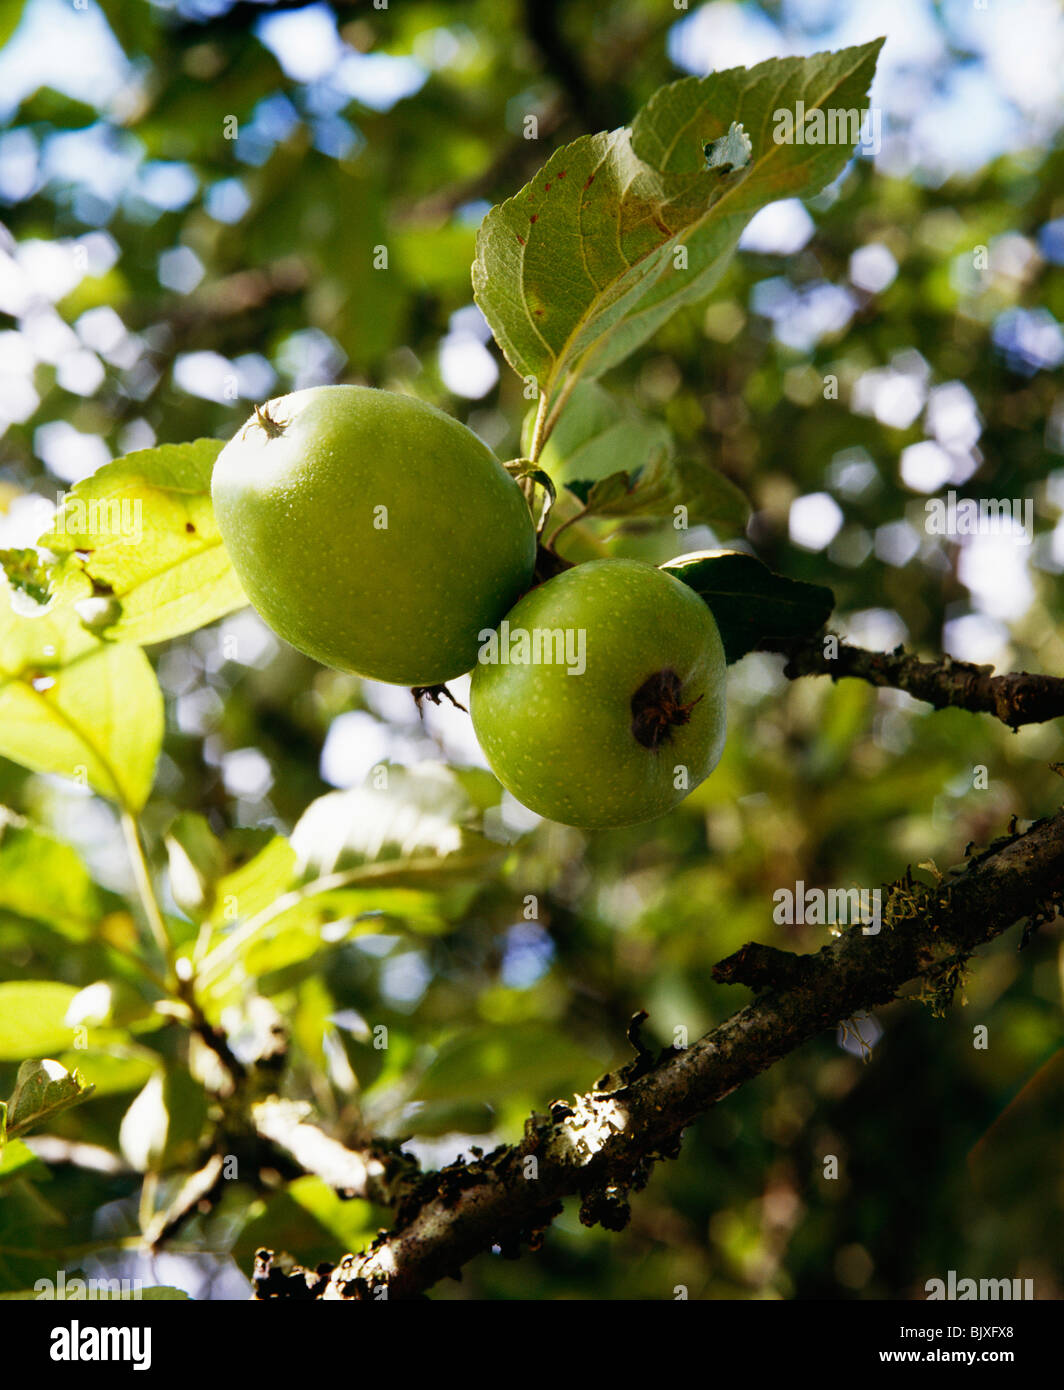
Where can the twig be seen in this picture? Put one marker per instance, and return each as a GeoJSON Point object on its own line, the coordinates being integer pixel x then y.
{"type": "Point", "coordinates": [145, 889]}
{"type": "Point", "coordinates": [539, 438]}
{"type": "Point", "coordinates": [1016, 699]}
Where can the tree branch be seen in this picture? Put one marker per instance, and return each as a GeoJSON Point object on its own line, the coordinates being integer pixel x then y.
{"type": "Point", "coordinates": [542, 24]}
{"type": "Point", "coordinates": [604, 1144]}
{"type": "Point", "coordinates": [1017, 698]}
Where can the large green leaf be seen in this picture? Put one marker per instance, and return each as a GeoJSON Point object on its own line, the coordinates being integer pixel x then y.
{"type": "Point", "coordinates": [138, 547]}
{"type": "Point", "coordinates": [252, 886]}
{"type": "Point", "coordinates": [355, 857]}
{"type": "Point", "coordinates": [122, 1067]}
{"type": "Point", "coordinates": [44, 880]}
{"type": "Point", "coordinates": [491, 1063]}
{"type": "Point", "coordinates": [749, 602]}
{"type": "Point", "coordinates": [32, 1018]}
{"type": "Point", "coordinates": [415, 829]}
{"type": "Point", "coordinates": [197, 860]}
{"type": "Point", "coordinates": [76, 706]}
{"type": "Point", "coordinates": [10, 18]}
{"type": "Point", "coordinates": [163, 1125]}
{"type": "Point", "coordinates": [580, 267]}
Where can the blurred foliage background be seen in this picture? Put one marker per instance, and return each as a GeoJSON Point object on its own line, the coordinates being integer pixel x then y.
{"type": "Point", "coordinates": [193, 196]}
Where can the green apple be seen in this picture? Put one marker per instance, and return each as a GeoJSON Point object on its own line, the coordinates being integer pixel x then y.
{"type": "Point", "coordinates": [600, 700]}
{"type": "Point", "coordinates": [372, 531]}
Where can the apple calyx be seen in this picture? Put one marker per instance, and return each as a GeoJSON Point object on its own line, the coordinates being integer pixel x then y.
{"type": "Point", "coordinates": [657, 709]}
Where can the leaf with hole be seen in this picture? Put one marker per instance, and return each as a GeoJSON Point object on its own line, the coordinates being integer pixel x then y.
{"type": "Point", "coordinates": [622, 228]}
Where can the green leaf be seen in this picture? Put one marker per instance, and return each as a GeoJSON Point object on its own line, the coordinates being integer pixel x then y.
{"type": "Point", "coordinates": [115, 1070]}
{"type": "Point", "coordinates": [520, 469]}
{"type": "Point", "coordinates": [44, 880]}
{"type": "Point", "coordinates": [110, 1004]}
{"type": "Point", "coordinates": [352, 853]}
{"type": "Point", "coordinates": [464, 1116]}
{"type": "Point", "coordinates": [578, 268]}
{"type": "Point", "coordinates": [32, 1018]}
{"type": "Point", "coordinates": [416, 829]}
{"type": "Point", "coordinates": [657, 489]}
{"type": "Point", "coordinates": [710, 498]}
{"type": "Point", "coordinates": [15, 1157]}
{"type": "Point", "coordinates": [315, 924]}
{"type": "Point", "coordinates": [597, 435]}
{"type": "Point", "coordinates": [309, 1217]}
{"type": "Point", "coordinates": [602, 495]}
{"type": "Point", "coordinates": [670, 133]}
{"type": "Point", "coordinates": [76, 706]}
{"type": "Point", "coordinates": [28, 574]}
{"type": "Point", "coordinates": [197, 860]}
{"type": "Point", "coordinates": [10, 18]}
{"type": "Point", "coordinates": [162, 1127]}
{"type": "Point", "coordinates": [253, 886]}
{"type": "Point", "coordinates": [141, 532]}
{"type": "Point", "coordinates": [50, 106]}
{"type": "Point", "coordinates": [619, 462]}
{"type": "Point", "coordinates": [42, 1090]}
{"type": "Point", "coordinates": [525, 471]}
{"type": "Point", "coordinates": [749, 602]}
{"type": "Point", "coordinates": [490, 1063]}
